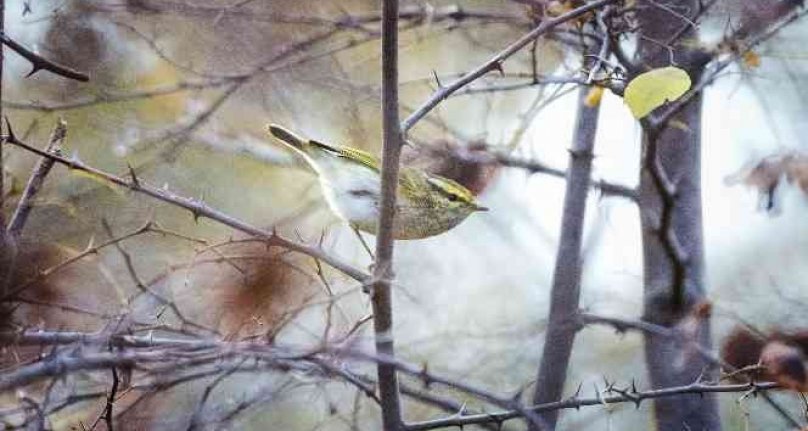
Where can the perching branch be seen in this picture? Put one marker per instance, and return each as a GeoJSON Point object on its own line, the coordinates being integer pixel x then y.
{"type": "Point", "coordinates": [197, 208]}
{"type": "Point", "coordinates": [381, 295]}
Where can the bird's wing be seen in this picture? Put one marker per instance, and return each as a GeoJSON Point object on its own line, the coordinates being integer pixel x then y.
{"type": "Point", "coordinates": [359, 156]}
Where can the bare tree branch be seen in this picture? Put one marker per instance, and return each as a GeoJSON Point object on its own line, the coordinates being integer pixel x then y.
{"type": "Point", "coordinates": [40, 63]}
{"type": "Point", "coordinates": [36, 180]}
{"type": "Point", "coordinates": [566, 287]}
{"type": "Point", "coordinates": [381, 295]}
{"type": "Point", "coordinates": [624, 395]}
{"type": "Point", "coordinates": [198, 209]}
{"type": "Point", "coordinates": [672, 229]}
{"type": "Point", "coordinates": [495, 63]}
{"type": "Point", "coordinates": [7, 247]}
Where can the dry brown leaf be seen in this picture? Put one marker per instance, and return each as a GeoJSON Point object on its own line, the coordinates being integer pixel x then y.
{"type": "Point", "coordinates": [766, 175]}
{"type": "Point", "coordinates": [785, 364]}
{"type": "Point", "coordinates": [782, 355]}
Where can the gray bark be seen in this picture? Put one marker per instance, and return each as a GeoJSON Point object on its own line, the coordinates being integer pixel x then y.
{"type": "Point", "coordinates": [673, 246]}
{"type": "Point", "coordinates": [563, 321]}
{"type": "Point", "coordinates": [381, 297]}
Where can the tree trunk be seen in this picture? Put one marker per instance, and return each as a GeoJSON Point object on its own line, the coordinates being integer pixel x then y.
{"type": "Point", "coordinates": [563, 321]}
{"type": "Point", "coordinates": [673, 246]}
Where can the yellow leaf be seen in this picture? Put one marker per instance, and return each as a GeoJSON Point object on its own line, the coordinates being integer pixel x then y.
{"type": "Point", "coordinates": [593, 97]}
{"type": "Point", "coordinates": [751, 60]}
{"type": "Point", "coordinates": [654, 88]}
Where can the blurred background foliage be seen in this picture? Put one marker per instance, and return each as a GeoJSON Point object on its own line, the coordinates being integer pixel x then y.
{"type": "Point", "coordinates": [182, 91]}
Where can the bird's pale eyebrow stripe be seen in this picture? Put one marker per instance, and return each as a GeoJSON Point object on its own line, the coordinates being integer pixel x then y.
{"type": "Point", "coordinates": [450, 188]}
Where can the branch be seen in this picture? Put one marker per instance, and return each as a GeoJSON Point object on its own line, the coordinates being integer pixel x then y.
{"type": "Point", "coordinates": [5, 249]}
{"type": "Point", "coordinates": [36, 180]}
{"type": "Point", "coordinates": [415, 13]}
{"type": "Point", "coordinates": [628, 395]}
{"type": "Point", "coordinates": [566, 288]}
{"type": "Point", "coordinates": [660, 120]}
{"type": "Point", "coordinates": [40, 63]}
{"type": "Point", "coordinates": [198, 209]}
{"type": "Point", "coordinates": [381, 295]}
{"type": "Point", "coordinates": [491, 157]}
{"type": "Point", "coordinates": [677, 333]}
{"type": "Point", "coordinates": [118, 97]}
{"type": "Point", "coordinates": [495, 63]}
{"type": "Point", "coordinates": [428, 379]}
{"type": "Point", "coordinates": [170, 352]}
{"type": "Point", "coordinates": [7, 246]}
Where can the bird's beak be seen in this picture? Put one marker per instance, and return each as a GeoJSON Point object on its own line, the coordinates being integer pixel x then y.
{"type": "Point", "coordinates": [480, 208]}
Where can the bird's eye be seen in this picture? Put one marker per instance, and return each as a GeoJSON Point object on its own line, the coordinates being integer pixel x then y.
{"type": "Point", "coordinates": [453, 197]}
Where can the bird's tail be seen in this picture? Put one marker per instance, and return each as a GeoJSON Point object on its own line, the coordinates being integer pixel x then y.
{"type": "Point", "coordinates": [287, 136]}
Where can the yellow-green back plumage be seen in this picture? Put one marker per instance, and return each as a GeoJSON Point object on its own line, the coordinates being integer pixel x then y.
{"type": "Point", "coordinates": [314, 148]}
{"type": "Point", "coordinates": [427, 204]}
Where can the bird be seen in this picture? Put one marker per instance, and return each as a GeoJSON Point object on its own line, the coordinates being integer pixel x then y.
{"type": "Point", "coordinates": [426, 205]}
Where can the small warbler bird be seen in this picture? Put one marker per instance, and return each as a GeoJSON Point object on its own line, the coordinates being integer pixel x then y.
{"type": "Point", "coordinates": [427, 204]}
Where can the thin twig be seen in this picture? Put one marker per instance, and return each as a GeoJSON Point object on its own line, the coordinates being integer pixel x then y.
{"type": "Point", "coordinates": [107, 415]}
{"type": "Point", "coordinates": [661, 120]}
{"type": "Point", "coordinates": [198, 209]}
{"type": "Point", "coordinates": [495, 63]}
{"type": "Point", "coordinates": [36, 180]}
{"type": "Point", "coordinates": [493, 157]}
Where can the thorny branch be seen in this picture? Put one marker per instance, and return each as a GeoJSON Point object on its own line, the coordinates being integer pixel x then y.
{"type": "Point", "coordinates": [490, 156]}
{"type": "Point", "coordinates": [150, 352]}
{"type": "Point", "coordinates": [197, 208]}
{"type": "Point", "coordinates": [623, 395]}
{"type": "Point", "coordinates": [495, 63]}
{"type": "Point", "coordinates": [667, 187]}
{"type": "Point", "coordinates": [661, 119]}
{"type": "Point", "coordinates": [414, 13]}
{"type": "Point", "coordinates": [40, 63]}
{"type": "Point", "coordinates": [565, 290]}
{"type": "Point", "coordinates": [381, 295]}
{"type": "Point", "coordinates": [683, 335]}
{"type": "Point", "coordinates": [35, 181]}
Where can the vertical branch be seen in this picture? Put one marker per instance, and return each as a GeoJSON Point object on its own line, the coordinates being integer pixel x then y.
{"type": "Point", "coordinates": [6, 246]}
{"type": "Point", "coordinates": [670, 208]}
{"type": "Point", "coordinates": [382, 271]}
{"type": "Point", "coordinates": [564, 296]}
{"type": "Point", "coordinates": [2, 165]}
